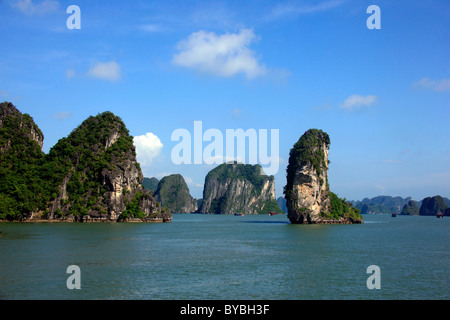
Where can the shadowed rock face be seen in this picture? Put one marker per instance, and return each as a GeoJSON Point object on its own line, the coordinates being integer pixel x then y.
{"type": "Point", "coordinates": [306, 192]}
{"type": "Point", "coordinates": [431, 206]}
{"type": "Point", "coordinates": [236, 187]}
{"type": "Point", "coordinates": [173, 193]}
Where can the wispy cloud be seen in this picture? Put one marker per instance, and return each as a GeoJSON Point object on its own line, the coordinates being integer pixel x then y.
{"type": "Point", "coordinates": [61, 116]}
{"type": "Point", "coordinates": [223, 55]}
{"type": "Point", "coordinates": [435, 85]}
{"type": "Point", "coordinates": [294, 9]}
{"type": "Point", "coordinates": [105, 70]}
{"type": "Point", "coordinates": [190, 182]}
{"type": "Point", "coordinates": [151, 28]}
{"type": "Point", "coordinates": [148, 147]}
{"type": "Point", "coordinates": [42, 8]}
{"type": "Point", "coordinates": [355, 102]}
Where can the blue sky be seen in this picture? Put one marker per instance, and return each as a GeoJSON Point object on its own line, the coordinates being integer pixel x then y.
{"type": "Point", "coordinates": [382, 95]}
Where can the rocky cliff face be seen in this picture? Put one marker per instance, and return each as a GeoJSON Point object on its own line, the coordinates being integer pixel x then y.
{"type": "Point", "coordinates": [431, 206]}
{"type": "Point", "coordinates": [173, 193]}
{"type": "Point", "coordinates": [235, 187]}
{"type": "Point", "coordinates": [92, 175]}
{"type": "Point", "coordinates": [102, 177]}
{"type": "Point", "coordinates": [307, 193]}
{"type": "Point", "coordinates": [20, 125]}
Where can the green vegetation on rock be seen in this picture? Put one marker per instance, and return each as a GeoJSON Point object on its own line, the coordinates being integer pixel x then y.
{"type": "Point", "coordinates": [92, 173]}
{"type": "Point", "coordinates": [150, 183]}
{"type": "Point", "coordinates": [340, 208]}
{"type": "Point", "coordinates": [433, 206]}
{"type": "Point", "coordinates": [22, 187]}
{"type": "Point", "coordinates": [307, 151]}
{"type": "Point", "coordinates": [236, 187]}
{"type": "Point", "coordinates": [410, 208]}
{"type": "Point", "coordinates": [173, 193]}
{"type": "Point", "coordinates": [307, 192]}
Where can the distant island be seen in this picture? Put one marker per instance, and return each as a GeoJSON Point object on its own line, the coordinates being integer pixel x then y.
{"type": "Point", "coordinates": [173, 193]}
{"type": "Point", "coordinates": [239, 188]}
{"type": "Point", "coordinates": [150, 184]}
{"type": "Point", "coordinates": [429, 206]}
{"type": "Point", "coordinates": [91, 175]}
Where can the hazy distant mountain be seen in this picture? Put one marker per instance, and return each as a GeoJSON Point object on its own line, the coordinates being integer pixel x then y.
{"type": "Point", "coordinates": [388, 204]}
{"type": "Point", "coordinates": [282, 203]}
{"type": "Point", "coordinates": [381, 204]}
{"type": "Point", "coordinates": [150, 184]}
{"type": "Point", "coordinates": [410, 209]}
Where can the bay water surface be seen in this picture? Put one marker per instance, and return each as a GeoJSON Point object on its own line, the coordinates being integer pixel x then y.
{"type": "Point", "coordinates": [227, 257]}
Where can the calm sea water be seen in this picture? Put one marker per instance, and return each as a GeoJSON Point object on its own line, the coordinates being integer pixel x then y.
{"type": "Point", "coordinates": [227, 257]}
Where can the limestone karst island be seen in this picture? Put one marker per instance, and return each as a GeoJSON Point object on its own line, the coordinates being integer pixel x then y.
{"type": "Point", "coordinates": [92, 175]}
{"type": "Point", "coordinates": [307, 192]}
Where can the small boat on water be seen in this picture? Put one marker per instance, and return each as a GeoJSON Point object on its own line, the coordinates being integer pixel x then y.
{"type": "Point", "coordinates": [238, 214]}
{"type": "Point", "coordinates": [271, 213]}
{"type": "Point", "coordinates": [440, 215]}
{"type": "Point", "coordinates": [394, 215]}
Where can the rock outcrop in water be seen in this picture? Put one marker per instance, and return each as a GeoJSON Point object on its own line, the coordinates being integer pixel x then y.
{"type": "Point", "coordinates": [92, 175]}
{"type": "Point", "coordinates": [236, 187]}
{"type": "Point", "coordinates": [410, 208]}
{"type": "Point", "coordinates": [307, 193]}
{"type": "Point", "coordinates": [431, 206]}
{"type": "Point", "coordinates": [447, 212]}
{"type": "Point", "coordinates": [173, 193]}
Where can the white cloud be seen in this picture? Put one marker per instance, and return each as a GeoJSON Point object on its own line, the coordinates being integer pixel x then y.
{"type": "Point", "coordinates": [435, 85]}
{"type": "Point", "coordinates": [223, 55]}
{"type": "Point", "coordinates": [29, 8]}
{"type": "Point", "coordinates": [355, 102]}
{"type": "Point", "coordinates": [148, 147]}
{"type": "Point", "coordinates": [105, 70]}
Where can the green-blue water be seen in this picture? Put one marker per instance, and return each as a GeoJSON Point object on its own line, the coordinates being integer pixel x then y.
{"type": "Point", "coordinates": [227, 257]}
